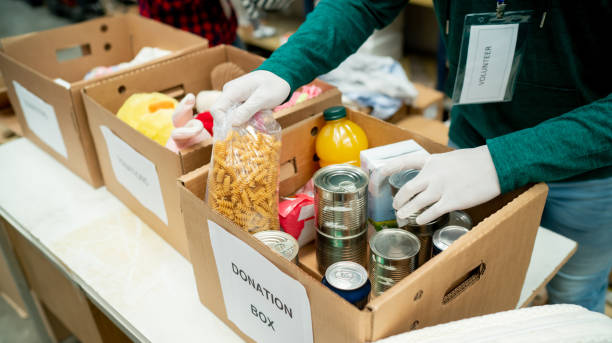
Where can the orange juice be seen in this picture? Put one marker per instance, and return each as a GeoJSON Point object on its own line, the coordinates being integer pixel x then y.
{"type": "Point", "coordinates": [340, 140]}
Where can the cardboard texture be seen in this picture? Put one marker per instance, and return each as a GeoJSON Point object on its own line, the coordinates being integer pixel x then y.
{"type": "Point", "coordinates": [58, 294]}
{"type": "Point", "coordinates": [35, 60]}
{"type": "Point", "coordinates": [429, 103]}
{"type": "Point", "coordinates": [8, 287]}
{"type": "Point", "coordinates": [481, 273]}
{"type": "Point", "coordinates": [435, 130]}
{"type": "Point", "coordinates": [177, 76]}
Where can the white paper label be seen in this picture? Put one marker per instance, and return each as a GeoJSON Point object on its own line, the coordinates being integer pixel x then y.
{"type": "Point", "coordinates": [489, 62]}
{"type": "Point", "coordinates": [136, 173]}
{"type": "Point", "coordinates": [265, 303]}
{"type": "Point", "coordinates": [41, 119]}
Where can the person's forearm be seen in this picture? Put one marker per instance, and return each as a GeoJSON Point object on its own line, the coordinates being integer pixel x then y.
{"type": "Point", "coordinates": [572, 144]}
{"type": "Point", "coordinates": [333, 31]}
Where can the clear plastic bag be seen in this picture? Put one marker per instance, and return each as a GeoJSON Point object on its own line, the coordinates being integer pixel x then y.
{"type": "Point", "coordinates": [243, 178]}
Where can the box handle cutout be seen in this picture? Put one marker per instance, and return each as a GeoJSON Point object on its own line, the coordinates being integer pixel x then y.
{"type": "Point", "coordinates": [464, 282]}
{"type": "Point", "coordinates": [288, 169]}
{"type": "Point", "coordinates": [174, 92]}
{"type": "Point", "coordinates": [73, 52]}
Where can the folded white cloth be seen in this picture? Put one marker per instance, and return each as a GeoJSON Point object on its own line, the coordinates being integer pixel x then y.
{"type": "Point", "coordinates": [145, 54]}
{"type": "Point", "coordinates": [550, 324]}
{"type": "Point", "coordinates": [373, 81]}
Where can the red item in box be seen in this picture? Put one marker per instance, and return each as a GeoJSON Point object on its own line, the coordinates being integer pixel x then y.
{"type": "Point", "coordinates": [295, 214]}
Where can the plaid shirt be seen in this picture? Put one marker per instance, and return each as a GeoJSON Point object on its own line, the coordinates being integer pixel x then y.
{"type": "Point", "coordinates": [201, 17]}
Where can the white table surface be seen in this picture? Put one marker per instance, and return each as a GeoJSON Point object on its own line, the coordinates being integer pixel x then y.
{"type": "Point", "coordinates": [141, 283]}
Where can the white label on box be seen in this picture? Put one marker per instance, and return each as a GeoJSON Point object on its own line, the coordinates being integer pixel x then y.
{"type": "Point", "coordinates": [489, 62]}
{"type": "Point", "coordinates": [41, 119]}
{"type": "Point", "coordinates": [263, 302]}
{"type": "Point", "coordinates": [136, 173]}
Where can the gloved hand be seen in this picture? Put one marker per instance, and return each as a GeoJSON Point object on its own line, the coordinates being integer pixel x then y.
{"type": "Point", "coordinates": [253, 92]}
{"type": "Point", "coordinates": [450, 181]}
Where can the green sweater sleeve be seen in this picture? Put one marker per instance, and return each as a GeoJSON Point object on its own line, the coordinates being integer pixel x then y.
{"type": "Point", "coordinates": [571, 144]}
{"type": "Point", "coordinates": [333, 31]}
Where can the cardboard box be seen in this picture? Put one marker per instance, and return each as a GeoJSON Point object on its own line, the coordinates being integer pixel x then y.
{"type": "Point", "coordinates": [429, 104]}
{"type": "Point", "coordinates": [55, 116]}
{"type": "Point", "coordinates": [124, 152]}
{"type": "Point", "coordinates": [483, 272]}
{"type": "Point", "coordinates": [435, 130]}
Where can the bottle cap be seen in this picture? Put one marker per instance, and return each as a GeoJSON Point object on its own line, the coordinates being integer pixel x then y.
{"type": "Point", "coordinates": [334, 113]}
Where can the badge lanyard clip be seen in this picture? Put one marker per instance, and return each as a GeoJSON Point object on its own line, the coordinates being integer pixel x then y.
{"type": "Point", "coordinates": [501, 8]}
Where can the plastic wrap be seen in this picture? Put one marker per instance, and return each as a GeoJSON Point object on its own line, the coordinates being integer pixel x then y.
{"type": "Point", "coordinates": [243, 181]}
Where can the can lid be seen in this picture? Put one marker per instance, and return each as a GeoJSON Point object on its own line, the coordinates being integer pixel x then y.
{"type": "Point", "coordinates": [395, 244]}
{"type": "Point", "coordinates": [334, 113]}
{"type": "Point", "coordinates": [341, 178]}
{"type": "Point", "coordinates": [279, 241]}
{"type": "Point", "coordinates": [460, 218]}
{"type": "Point", "coordinates": [397, 180]}
{"type": "Point", "coordinates": [346, 275]}
{"type": "Point", "coordinates": [447, 235]}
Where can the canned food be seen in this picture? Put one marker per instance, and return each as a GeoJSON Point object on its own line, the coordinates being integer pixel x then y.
{"type": "Point", "coordinates": [460, 218]}
{"type": "Point", "coordinates": [446, 236]}
{"type": "Point", "coordinates": [330, 249]}
{"type": "Point", "coordinates": [281, 242]}
{"type": "Point", "coordinates": [399, 179]}
{"type": "Point", "coordinates": [423, 232]}
{"type": "Point", "coordinates": [350, 281]}
{"type": "Point", "coordinates": [392, 257]}
{"type": "Point", "coordinates": [340, 200]}
{"type": "Point", "coordinates": [340, 215]}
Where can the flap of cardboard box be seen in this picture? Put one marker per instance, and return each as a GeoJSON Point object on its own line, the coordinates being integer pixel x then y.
{"type": "Point", "coordinates": [70, 52]}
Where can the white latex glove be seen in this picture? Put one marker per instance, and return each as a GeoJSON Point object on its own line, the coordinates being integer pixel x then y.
{"type": "Point", "coordinates": [253, 92]}
{"type": "Point", "coordinates": [450, 181]}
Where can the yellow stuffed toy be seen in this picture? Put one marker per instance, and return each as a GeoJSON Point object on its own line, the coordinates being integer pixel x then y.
{"type": "Point", "coordinates": [150, 114]}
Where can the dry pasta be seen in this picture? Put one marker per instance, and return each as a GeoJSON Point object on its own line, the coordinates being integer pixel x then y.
{"type": "Point", "coordinates": [243, 181]}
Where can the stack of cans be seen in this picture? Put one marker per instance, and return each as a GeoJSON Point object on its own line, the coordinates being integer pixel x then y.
{"type": "Point", "coordinates": [423, 232]}
{"type": "Point", "coordinates": [281, 242]}
{"type": "Point", "coordinates": [340, 215]}
{"type": "Point", "coordinates": [392, 257]}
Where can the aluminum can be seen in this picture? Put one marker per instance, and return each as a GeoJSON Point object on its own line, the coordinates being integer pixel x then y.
{"type": "Point", "coordinates": [423, 232]}
{"type": "Point", "coordinates": [446, 236]}
{"type": "Point", "coordinates": [340, 215]}
{"type": "Point", "coordinates": [281, 242]}
{"type": "Point", "coordinates": [392, 257]}
{"type": "Point", "coordinates": [350, 281]}
{"type": "Point", "coordinates": [460, 218]}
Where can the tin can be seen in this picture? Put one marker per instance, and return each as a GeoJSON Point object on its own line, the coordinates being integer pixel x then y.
{"type": "Point", "coordinates": [340, 215]}
{"type": "Point", "coordinates": [423, 232]}
{"type": "Point", "coordinates": [281, 242]}
{"type": "Point", "coordinates": [446, 236]}
{"type": "Point", "coordinates": [350, 281]}
{"type": "Point", "coordinates": [460, 218]}
{"type": "Point", "coordinates": [392, 257]}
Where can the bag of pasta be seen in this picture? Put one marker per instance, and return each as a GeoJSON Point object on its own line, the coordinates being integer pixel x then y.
{"type": "Point", "coordinates": [243, 179]}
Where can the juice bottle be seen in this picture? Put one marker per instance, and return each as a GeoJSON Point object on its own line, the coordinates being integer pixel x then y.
{"type": "Point", "coordinates": [340, 140]}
